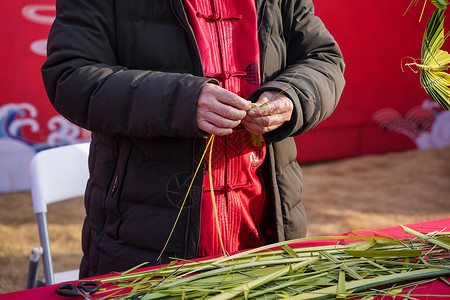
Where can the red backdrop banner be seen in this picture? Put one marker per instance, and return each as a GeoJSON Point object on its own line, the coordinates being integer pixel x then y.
{"type": "Point", "coordinates": [383, 107]}
{"type": "Point", "coordinates": [28, 123]}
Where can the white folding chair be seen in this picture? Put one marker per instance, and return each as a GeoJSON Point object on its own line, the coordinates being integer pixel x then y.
{"type": "Point", "coordinates": [57, 174]}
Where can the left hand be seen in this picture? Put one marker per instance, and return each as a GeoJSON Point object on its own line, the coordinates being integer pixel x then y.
{"type": "Point", "coordinates": [260, 120]}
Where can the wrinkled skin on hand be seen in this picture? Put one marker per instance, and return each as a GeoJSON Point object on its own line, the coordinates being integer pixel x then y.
{"type": "Point", "coordinates": [263, 119]}
{"type": "Point", "coordinates": [219, 110]}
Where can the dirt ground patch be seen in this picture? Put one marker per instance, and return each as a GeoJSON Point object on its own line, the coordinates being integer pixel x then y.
{"type": "Point", "coordinates": [366, 192]}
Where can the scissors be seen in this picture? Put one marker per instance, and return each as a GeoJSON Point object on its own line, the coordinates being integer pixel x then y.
{"type": "Point", "coordinates": [83, 289]}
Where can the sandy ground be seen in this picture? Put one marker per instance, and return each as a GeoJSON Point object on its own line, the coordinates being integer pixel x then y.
{"type": "Point", "coordinates": [359, 193]}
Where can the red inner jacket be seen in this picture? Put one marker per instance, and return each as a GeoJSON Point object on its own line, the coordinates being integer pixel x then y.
{"type": "Point", "coordinates": [227, 36]}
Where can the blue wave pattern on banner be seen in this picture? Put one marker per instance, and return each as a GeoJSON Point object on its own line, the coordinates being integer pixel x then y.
{"type": "Point", "coordinates": [14, 117]}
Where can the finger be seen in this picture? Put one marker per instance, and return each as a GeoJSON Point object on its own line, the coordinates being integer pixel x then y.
{"type": "Point", "coordinates": [212, 129]}
{"type": "Point", "coordinates": [256, 129]}
{"type": "Point", "coordinates": [278, 106]}
{"type": "Point", "coordinates": [267, 97]}
{"type": "Point", "coordinates": [261, 125]}
{"type": "Point", "coordinates": [261, 111]}
{"type": "Point", "coordinates": [259, 103]}
{"type": "Point", "coordinates": [220, 121]}
{"type": "Point", "coordinates": [226, 97]}
{"type": "Point", "coordinates": [231, 99]}
{"type": "Point", "coordinates": [252, 128]}
{"type": "Point", "coordinates": [223, 102]}
{"type": "Point", "coordinates": [227, 111]}
{"type": "Point", "coordinates": [268, 110]}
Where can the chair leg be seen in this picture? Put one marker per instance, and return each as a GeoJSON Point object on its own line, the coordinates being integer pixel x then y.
{"type": "Point", "coordinates": [45, 243]}
{"type": "Point", "coordinates": [35, 256]}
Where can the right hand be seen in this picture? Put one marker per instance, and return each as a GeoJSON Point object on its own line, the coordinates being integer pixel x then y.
{"type": "Point", "coordinates": [219, 110]}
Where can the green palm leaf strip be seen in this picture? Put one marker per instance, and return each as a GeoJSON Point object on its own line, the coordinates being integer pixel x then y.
{"type": "Point", "coordinates": [365, 284]}
{"type": "Point", "coordinates": [211, 186]}
{"type": "Point", "coordinates": [341, 291]}
{"type": "Point", "coordinates": [346, 268]}
{"type": "Point", "coordinates": [263, 280]}
{"type": "Point", "coordinates": [441, 243]}
{"type": "Point", "coordinates": [185, 197]}
{"type": "Point", "coordinates": [440, 4]}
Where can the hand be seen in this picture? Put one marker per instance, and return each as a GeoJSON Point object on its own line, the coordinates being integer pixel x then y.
{"type": "Point", "coordinates": [260, 120]}
{"type": "Point", "coordinates": [219, 110]}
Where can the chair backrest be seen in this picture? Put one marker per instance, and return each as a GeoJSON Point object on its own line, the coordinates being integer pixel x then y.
{"type": "Point", "coordinates": [56, 174]}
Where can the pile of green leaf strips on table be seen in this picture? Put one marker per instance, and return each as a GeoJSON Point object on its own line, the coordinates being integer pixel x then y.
{"type": "Point", "coordinates": [353, 266]}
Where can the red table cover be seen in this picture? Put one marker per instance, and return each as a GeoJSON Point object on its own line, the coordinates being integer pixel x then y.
{"type": "Point", "coordinates": [433, 288]}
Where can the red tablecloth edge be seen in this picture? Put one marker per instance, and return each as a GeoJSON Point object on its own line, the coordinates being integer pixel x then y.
{"type": "Point", "coordinates": [48, 292]}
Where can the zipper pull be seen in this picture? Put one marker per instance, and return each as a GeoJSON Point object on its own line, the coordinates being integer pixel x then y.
{"type": "Point", "coordinates": [114, 187]}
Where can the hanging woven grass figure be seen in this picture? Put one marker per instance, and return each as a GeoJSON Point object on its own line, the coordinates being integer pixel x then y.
{"type": "Point", "coordinates": [434, 62]}
{"type": "Point", "coordinates": [440, 4]}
